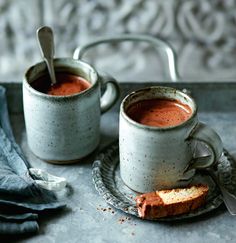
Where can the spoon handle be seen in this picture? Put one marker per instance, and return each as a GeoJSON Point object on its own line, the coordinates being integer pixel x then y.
{"type": "Point", "coordinates": [229, 198]}
{"type": "Point", "coordinates": [46, 44]}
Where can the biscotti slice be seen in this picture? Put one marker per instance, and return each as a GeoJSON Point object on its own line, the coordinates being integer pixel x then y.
{"type": "Point", "coordinates": [171, 202]}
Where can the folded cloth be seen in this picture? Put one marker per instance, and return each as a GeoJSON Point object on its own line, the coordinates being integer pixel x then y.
{"type": "Point", "coordinates": [21, 198]}
{"type": "Point", "coordinates": [18, 227]}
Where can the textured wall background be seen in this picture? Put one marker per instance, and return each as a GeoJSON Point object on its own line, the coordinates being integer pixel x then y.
{"type": "Point", "coordinates": [202, 32]}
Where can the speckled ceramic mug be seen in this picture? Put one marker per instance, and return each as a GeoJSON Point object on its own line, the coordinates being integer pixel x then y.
{"type": "Point", "coordinates": [64, 129]}
{"type": "Point", "coordinates": [153, 158]}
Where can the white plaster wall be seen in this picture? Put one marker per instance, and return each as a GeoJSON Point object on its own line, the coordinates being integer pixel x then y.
{"type": "Point", "coordinates": [202, 32]}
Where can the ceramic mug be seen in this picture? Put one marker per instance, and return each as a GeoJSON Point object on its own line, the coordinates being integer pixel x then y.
{"type": "Point", "coordinates": [64, 129]}
{"type": "Point", "coordinates": [153, 158]}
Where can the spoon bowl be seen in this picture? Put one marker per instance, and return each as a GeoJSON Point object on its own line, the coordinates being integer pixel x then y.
{"type": "Point", "coordinates": [46, 44]}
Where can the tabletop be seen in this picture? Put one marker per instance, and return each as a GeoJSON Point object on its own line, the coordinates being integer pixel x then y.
{"type": "Point", "coordinates": [88, 218]}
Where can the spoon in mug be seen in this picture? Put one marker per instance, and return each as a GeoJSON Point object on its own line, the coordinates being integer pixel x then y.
{"type": "Point", "coordinates": [46, 44]}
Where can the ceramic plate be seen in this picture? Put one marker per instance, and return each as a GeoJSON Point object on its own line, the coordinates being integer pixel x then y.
{"type": "Point", "coordinates": [108, 183]}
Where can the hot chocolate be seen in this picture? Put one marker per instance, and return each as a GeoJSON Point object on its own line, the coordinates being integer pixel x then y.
{"type": "Point", "coordinates": [159, 112]}
{"type": "Point", "coordinates": [67, 84]}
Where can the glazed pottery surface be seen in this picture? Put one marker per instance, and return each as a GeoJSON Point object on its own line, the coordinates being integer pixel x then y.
{"type": "Point", "coordinates": [66, 128]}
{"type": "Point", "coordinates": [153, 158]}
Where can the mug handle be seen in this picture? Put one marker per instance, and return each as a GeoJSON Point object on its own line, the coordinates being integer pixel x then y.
{"type": "Point", "coordinates": [154, 41]}
{"type": "Point", "coordinates": [211, 139]}
{"type": "Point", "coordinates": [111, 93]}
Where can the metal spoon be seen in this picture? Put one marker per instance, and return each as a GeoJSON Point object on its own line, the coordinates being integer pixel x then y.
{"type": "Point", "coordinates": [228, 197]}
{"type": "Point", "coordinates": [46, 44]}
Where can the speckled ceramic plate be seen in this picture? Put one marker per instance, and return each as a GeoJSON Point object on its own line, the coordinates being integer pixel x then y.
{"type": "Point", "coordinates": [107, 181]}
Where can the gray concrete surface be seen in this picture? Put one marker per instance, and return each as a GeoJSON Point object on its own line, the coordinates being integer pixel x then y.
{"type": "Point", "coordinates": [84, 222]}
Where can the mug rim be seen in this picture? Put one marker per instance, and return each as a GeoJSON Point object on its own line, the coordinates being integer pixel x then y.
{"type": "Point", "coordinates": [147, 127]}
{"type": "Point", "coordinates": [59, 97]}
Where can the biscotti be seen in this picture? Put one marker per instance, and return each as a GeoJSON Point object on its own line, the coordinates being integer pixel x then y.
{"type": "Point", "coordinates": [171, 202]}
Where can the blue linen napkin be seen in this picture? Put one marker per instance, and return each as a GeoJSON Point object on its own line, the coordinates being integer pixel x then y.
{"type": "Point", "coordinates": [21, 199]}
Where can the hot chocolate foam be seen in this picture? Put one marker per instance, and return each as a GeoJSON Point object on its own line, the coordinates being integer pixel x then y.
{"type": "Point", "coordinates": [159, 112]}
